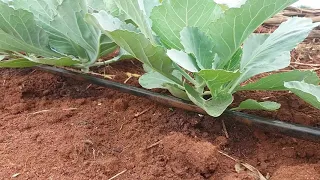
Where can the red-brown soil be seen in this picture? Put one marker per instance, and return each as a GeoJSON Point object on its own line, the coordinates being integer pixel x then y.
{"type": "Point", "coordinates": [52, 127]}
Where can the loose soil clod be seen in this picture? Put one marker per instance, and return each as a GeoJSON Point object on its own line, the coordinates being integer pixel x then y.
{"type": "Point", "coordinates": [296, 173]}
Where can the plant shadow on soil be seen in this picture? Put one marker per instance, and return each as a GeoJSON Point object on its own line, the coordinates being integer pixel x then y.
{"type": "Point", "coordinates": [52, 127]}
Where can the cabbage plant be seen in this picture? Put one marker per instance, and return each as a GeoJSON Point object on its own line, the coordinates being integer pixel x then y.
{"type": "Point", "coordinates": [204, 52]}
{"type": "Point", "coordinates": [52, 32]}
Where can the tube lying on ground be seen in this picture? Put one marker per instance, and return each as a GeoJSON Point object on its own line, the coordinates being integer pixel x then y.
{"type": "Point", "coordinates": [275, 126]}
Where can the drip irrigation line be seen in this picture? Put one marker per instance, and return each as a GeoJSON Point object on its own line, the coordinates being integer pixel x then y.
{"type": "Point", "coordinates": [275, 126]}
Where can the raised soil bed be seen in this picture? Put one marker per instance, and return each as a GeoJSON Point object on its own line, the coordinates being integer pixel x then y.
{"type": "Point", "coordinates": [58, 128]}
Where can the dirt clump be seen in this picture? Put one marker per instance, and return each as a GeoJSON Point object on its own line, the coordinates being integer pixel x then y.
{"type": "Point", "coordinates": [190, 155]}
{"type": "Point", "coordinates": [300, 172]}
{"type": "Point", "coordinates": [120, 105]}
{"type": "Point", "coordinates": [240, 176]}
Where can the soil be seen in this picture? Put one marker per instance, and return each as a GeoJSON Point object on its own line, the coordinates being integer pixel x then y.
{"type": "Point", "coordinates": [52, 127]}
{"type": "Point", "coordinates": [56, 128]}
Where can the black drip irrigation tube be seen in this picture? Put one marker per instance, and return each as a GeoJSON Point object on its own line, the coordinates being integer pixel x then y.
{"type": "Point", "coordinates": [275, 126]}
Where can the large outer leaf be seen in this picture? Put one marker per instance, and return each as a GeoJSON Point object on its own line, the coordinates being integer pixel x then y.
{"type": "Point", "coordinates": [134, 43]}
{"type": "Point", "coordinates": [6, 1]}
{"type": "Point", "coordinates": [17, 63]}
{"type": "Point", "coordinates": [172, 16]}
{"type": "Point", "coordinates": [275, 82]}
{"type": "Point", "coordinates": [19, 32]}
{"type": "Point", "coordinates": [152, 80]}
{"type": "Point", "coordinates": [64, 61]}
{"type": "Point", "coordinates": [251, 104]}
{"type": "Point", "coordinates": [107, 46]}
{"type": "Point", "coordinates": [177, 91]}
{"type": "Point", "coordinates": [139, 11]}
{"type": "Point", "coordinates": [230, 3]}
{"type": "Point", "coordinates": [142, 49]}
{"type": "Point", "coordinates": [199, 45]}
{"type": "Point", "coordinates": [44, 12]}
{"type": "Point", "coordinates": [234, 62]}
{"type": "Point", "coordinates": [263, 53]}
{"type": "Point", "coordinates": [69, 33]}
{"type": "Point", "coordinates": [70, 21]}
{"type": "Point", "coordinates": [272, 64]}
{"type": "Point", "coordinates": [285, 38]}
{"type": "Point", "coordinates": [308, 92]}
{"type": "Point", "coordinates": [97, 5]}
{"type": "Point", "coordinates": [237, 24]}
{"type": "Point", "coordinates": [112, 8]}
{"type": "Point", "coordinates": [22, 62]}
{"type": "Point", "coordinates": [214, 106]}
{"type": "Point", "coordinates": [148, 6]}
